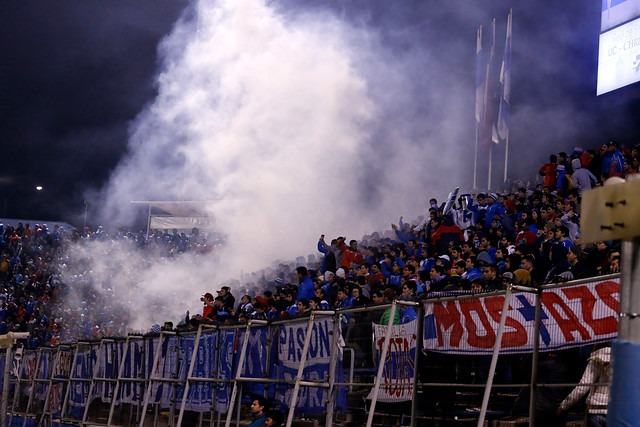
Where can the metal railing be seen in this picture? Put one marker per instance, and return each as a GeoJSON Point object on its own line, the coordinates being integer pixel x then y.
{"type": "Point", "coordinates": [83, 383]}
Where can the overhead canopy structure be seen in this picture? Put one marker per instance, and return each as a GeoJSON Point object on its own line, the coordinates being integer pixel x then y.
{"type": "Point", "coordinates": [182, 216]}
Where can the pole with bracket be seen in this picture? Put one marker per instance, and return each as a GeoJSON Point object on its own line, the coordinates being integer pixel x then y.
{"type": "Point", "coordinates": [383, 357]}
{"type": "Point", "coordinates": [611, 213]}
{"type": "Point", "coordinates": [239, 369]}
{"type": "Point", "coordinates": [494, 357]}
{"type": "Point", "coordinates": [303, 359]}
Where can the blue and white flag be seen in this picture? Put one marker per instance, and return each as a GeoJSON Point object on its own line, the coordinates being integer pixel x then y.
{"type": "Point", "coordinates": [129, 392]}
{"type": "Point", "coordinates": [225, 369]}
{"type": "Point", "coordinates": [505, 81]}
{"type": "Point", "coordinates": [199, 398]}
{"type": "Point", "coordinates": [83, 368]}
{"type": "Point", "coordinates": [255, 364]}
{"type": "Point", "coordinates": [161, 392]}
{"type": "Point", "coordinates": [488, 132]}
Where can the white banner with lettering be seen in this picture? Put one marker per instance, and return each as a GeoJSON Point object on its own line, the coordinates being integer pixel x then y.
{"type": "Point", "coordinates": [571, 316]}
{"type": "Point", "coordinates": [400, 363]}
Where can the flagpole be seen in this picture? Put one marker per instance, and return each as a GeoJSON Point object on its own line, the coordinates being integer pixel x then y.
{"type": "Point", "coordinates": [506, 157]}
{"type": "Point", "coordinates": [490, 155]}
{"type": "Point", "coordinates": [510, 41]}
{"type": "Point", "coordinates": [478, 120]}
{"type": "Point", "coordinates": [475, 158]}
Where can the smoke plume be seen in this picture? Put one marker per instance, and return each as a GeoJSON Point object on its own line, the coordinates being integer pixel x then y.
{"type": "Point", "coordinates": [291, 125]}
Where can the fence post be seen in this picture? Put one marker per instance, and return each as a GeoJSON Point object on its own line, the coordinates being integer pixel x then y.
{"type": "Point", "coordinates": [494, 358]}
{"type": "Point", "coordinates": [17, 390]}
{"type": "Point", "coordinates": [47, 400]}
{"type": "Point", "coordinates": [303, 359]}
{"type": "Point", "coordinates": [234, 392]}
{"type": "Point", "coordinates": [120, 372]}
{"type": "Point", "coordinates": [192, 363]}
{"type": "Point", "coordinates": [533, 391]}
{"type": "Point", "coordinates": [93, 378]}
{"type": "Point", "coordinates": [33, 386]}
{"type": "Point", "coordinates": [383, 356]}
{"type": "Point", "coordinates": [5, 386]}
{"type": "Point", "coordinates": [147, 392]}
{"type": "Point", "coordinates": [65, 403]}
{"type": "Point", "coordinates": [332, 370]}
{"type": "Point", "coordinates": [416, 367]}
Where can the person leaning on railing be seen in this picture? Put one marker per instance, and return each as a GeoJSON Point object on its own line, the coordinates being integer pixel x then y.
{"type": "Point", "coordinates": [596, 375]}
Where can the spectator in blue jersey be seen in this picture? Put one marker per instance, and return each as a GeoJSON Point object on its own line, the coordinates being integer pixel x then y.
{"type": "Point", "coordinates": [305, 287]}
{"type": "Point", "coordinates": [291, 306]}
{"type": "Point", "coordinates": [394, 277]}
{"type": "Point", "coordinates": [318, 302]}
{"type": "Point", "coordinates": [563, 182]}
{"type": "Point", "coordinates": [258, 313]}
{"type": "Point", "coordinates": [480, 209]}
{"type": "Point", "coordinates": [495, 210]}
{"type": "Point", "coordinates": [472, 269]}
{"type": "Point", "coordinates": [562, 236]}
{"type": "Point", "coordinates": [221, 314]}
{"type": "Point", "coordinates": [344, 301]}
{"type": "Point", "coordinates": [403, 232]}
{"type": "Point", "coordinates": [332, 255]}
{"type": "Point", "coordinates": [485, 245]}
{"type": "Point", "coordinates": [612, 161]}
{"type": "Point", "coordinates": [407, 313]}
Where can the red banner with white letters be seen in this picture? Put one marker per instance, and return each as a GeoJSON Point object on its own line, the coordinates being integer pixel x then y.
{"type": "Point", "coordinates": [572, 316]}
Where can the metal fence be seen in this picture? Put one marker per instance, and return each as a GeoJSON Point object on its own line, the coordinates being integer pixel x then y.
{"type": "Point", "coordinates": [507, 357]}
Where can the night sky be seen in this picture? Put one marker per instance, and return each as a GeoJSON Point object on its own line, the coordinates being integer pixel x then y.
{"type": "Point", "coordinates": [75, 74]}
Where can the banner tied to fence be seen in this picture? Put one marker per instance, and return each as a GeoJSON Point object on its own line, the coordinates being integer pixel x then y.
{"type": "Point", "coordinates": [317, 364]}
{"type": "Point", "coordinates": [399, 364]}
{"type": "Point", "coordinates": [571, 316]}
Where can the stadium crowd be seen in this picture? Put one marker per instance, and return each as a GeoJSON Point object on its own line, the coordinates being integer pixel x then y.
{"type": "Point", "coordinates": [528, 235]}
{"type": "Point", "coordinates": [524, 234]}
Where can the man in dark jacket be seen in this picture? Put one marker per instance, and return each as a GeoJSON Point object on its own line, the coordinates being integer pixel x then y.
{"type": "Point", "coordinates": [445, 233]}
{"type": "Point", "coordinates": [491, 280]}
{"type": "Point", "coordinates": [228, 299]}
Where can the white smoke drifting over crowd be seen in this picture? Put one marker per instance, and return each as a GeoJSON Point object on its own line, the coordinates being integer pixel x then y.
{"type": "Point", "coordinates": [292, 125]}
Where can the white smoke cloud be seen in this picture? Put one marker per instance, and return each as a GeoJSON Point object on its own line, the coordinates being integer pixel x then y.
{"type": "Point", "coordinates": [292, 126]}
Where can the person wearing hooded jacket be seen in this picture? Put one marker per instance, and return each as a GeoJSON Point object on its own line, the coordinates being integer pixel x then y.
{"type": "Point", "coordinates": [583, 179]}
{"type": "Point", "coordinates": [597, 375]}
{"type": "Point", "coordinates": [495, 209]}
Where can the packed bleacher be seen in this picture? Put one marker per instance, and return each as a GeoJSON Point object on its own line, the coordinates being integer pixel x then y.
{"type": "Point", "coordinates": [522, 234]}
